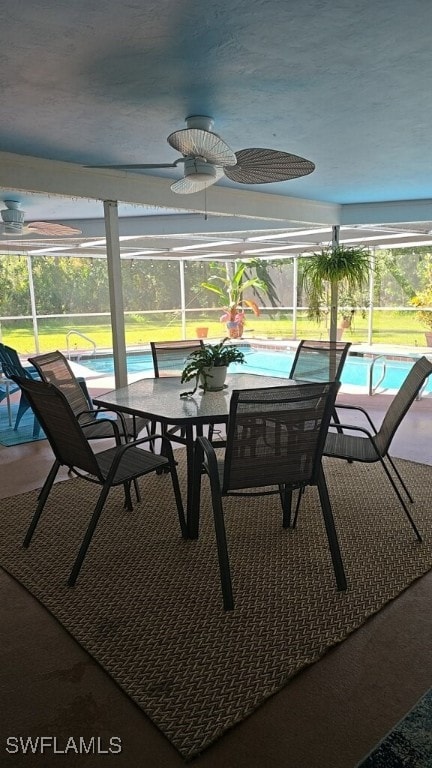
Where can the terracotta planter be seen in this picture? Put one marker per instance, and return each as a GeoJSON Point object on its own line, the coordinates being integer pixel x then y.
{"type": "Point", "coordinates": [428, 335]}
{"type": "Point", "coordinates": [201, 332]}
{"type": "Point", "coordinates": [235, 329]}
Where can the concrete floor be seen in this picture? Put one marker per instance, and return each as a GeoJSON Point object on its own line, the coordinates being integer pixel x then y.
{"type": "Point", "coordinates": [329, 716]}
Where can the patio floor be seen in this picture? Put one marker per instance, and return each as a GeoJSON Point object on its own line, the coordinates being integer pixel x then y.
{"type": "Point", "coordinates": [329, 716]}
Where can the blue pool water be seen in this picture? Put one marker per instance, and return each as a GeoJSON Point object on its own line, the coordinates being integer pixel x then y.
{"type": "Point", "coordinates": [277, 363]}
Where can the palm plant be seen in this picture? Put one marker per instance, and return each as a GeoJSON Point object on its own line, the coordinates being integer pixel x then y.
{"type": "Point", "coordinates": [230, 289]}
{"type": "Point", "coordinates": [334, 267]}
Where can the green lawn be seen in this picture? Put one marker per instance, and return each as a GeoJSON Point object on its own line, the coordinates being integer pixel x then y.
{"type": "Point", "coordinates": [400, 328]}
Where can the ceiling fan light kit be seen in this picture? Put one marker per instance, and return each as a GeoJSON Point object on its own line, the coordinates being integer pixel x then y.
{"type": "Point", "coordinates": [207, 158]}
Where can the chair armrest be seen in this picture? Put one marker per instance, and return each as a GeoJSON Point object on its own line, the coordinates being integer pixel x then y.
{"type": "Point", "coordinates": [204, 446]}
{"type": "Point", "coordinates": [361, 410]}
{"type": "Point", "coordinates": [95, 416]}
{"type": "Point", "coordinates": [121, 450]}
{"type": "Point", "coordinates": [355, 428]}
{"type": "Point", "coordinates": [111, 422]}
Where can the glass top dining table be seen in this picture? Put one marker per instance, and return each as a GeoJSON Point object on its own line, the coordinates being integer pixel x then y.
{"type": "Point", "coordinates": [158, 399]}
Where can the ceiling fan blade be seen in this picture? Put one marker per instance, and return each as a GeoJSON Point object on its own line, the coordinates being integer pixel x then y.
{"type": "Point", "coordinates": [262, 166]}
{"type": "Point", "coordinates": [196, 142]}
{"type": "Point", "coordinates": [47, 228]}
{"type": "Point", "coordinates": [137, 166]}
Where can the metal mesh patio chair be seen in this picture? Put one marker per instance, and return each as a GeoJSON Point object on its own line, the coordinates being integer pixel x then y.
{"type": "Point", "coordinates": [54, 368]}
{"type": "Point", "coordinates": [119, 465]}
{"type": "Point", "coordinates": [7, 387]}
{"type": "Point", "coordinates": [11, 366]}
{"type": "Point", "coordinates": [372, 444]}
{"type": "Point", "coordinates": [275, 440]}
{"type": "Point", "coordinates": [169, 358]}
{"type": "Point", "coordinates": [319, 360]}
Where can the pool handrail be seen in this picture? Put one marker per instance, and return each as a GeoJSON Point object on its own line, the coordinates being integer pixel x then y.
{"type": "Point", "coordinates": [73, 331]}
{"type": "Point", "coordinates": [371, 388]}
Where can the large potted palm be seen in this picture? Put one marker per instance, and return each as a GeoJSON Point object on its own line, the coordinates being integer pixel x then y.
{"type": "Point", "coordinates": [230, 289]}
{"type": "Point", "coordinates": [334, 268]}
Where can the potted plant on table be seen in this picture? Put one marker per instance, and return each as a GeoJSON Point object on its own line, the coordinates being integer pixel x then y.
{"type": "Point", "coordinates": [208, 366]}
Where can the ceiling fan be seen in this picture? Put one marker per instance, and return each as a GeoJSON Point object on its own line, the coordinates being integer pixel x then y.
{"type": "Point", "coordinates": [207, 158]}
{"type": "Point", "coordinates": [13, 219]}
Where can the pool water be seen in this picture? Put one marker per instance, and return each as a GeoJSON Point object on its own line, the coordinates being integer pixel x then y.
{"type": "Point", "coordinates": [276, 363]}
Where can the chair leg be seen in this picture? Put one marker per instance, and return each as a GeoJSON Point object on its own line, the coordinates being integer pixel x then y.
{"type": "Point", "coordinates": [397, 473]}
{"type": "Point", "coordinates": [286, 499]}
{"type": "Point", "coordinates": [88, 535]}
{"type": "Point", "coordinates": [331, 533]}
{"type": "Point", "coordinates": [128, 498]}
{"type": "Point", "coordinates": [137, 490]}
{"type": "Point", "coordinates": [46, 488]}
{"type": "Point", "coordinates": [404, 506]}
{"type": "Point", "coordinates": [178, 499]}
{"type": "Point", "coordinates": [296, 511]}
{"type": "Point", "coordinates": [222, 547]}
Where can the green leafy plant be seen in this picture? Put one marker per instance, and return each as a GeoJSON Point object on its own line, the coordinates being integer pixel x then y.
{"type": "Point", "coordinates": [424, 299]}
{"type": "Point", "coordinates": [209, 356]}
{"type": "Point", "coordinates": [332, 268]}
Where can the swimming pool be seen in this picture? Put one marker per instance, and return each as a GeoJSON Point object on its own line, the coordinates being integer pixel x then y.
{"type": "Point", "coordinates": [269, 362]}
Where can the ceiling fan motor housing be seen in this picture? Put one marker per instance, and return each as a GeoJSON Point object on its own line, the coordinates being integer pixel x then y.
{"type": "Point", "coordinates": [199, 169]}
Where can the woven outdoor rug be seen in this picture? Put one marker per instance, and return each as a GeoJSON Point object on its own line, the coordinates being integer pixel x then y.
{"type": "Point", "coordinates": [148, 606]}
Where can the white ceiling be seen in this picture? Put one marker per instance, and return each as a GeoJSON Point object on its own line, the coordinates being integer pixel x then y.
{"type": "Point", "coordinates": [342, 83]}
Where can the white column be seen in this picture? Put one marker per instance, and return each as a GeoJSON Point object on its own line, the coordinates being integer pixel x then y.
{"type": "Point", "coordinates": [334, 290]}
{"type": "Point", "coordinates": [33, 303]}
{"type": "Point", "coordinates": [182, 297]}
{"type": "Point", "coordinates": [115, 292]}
{"type": "Point", "coordinates": [294, 295]}
{"type": "Point", "coordinates": [371, 301]}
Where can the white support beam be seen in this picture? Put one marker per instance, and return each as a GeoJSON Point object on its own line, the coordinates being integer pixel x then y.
{"type": "Point", "coordinates": [186, 225]}
{"type": "Point", "coordinates": [116, 293]}
{"type": "Point", "coordinates": [33, 174]}
{"type": "Point", "coordinates": [390, 212]}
